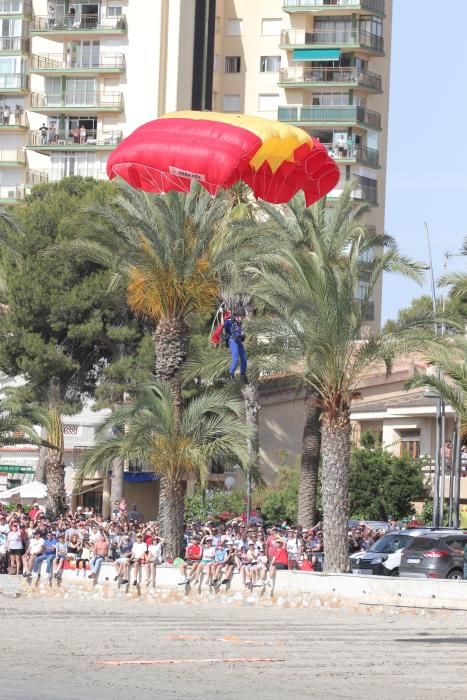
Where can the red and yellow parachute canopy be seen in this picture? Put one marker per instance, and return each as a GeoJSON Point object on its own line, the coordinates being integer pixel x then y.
{"type": "Point", "coordinates": [274, 159]}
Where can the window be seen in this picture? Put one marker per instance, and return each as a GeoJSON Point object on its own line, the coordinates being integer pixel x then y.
{"type": "Point", "coordinates": [268, 103]}
{"type": "Point", "coordinates": [114, 11]}
{"type": "Point", "coordinates": [234, 27]}
{"type": "Point", "coordinates": [410, 444]}
{"type": "Point", "coordinates": [232, 64]}
{"type": "Point", "coordinates": [231, 103]}
{"type": "Point", "coordinates": [271, 27]}
{"type": "Point", "coordinates": [269, 64]}
{"type": "Point", "coordinates": [334, 99]}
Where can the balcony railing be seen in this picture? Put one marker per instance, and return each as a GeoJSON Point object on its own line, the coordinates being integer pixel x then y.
{"type": "Point", "coordinates": [83, 100]}
{"type": "Point", "coordinates": [361, 154]}
{"type": "Point", "coordinates": [36, 177]}
{"type": "Point", "coordinates": [351, 76]}
{"type": "Point", "coordinates": [332, 37]}
{"type": "Point", "coordinates": [15, 7]}
{"type": "Point", "coordinates": [57, 173]}
{"type": "Point", "coordinates": [334, 115]}
{"type": "Point", "coordinates": [11, 193]}
{"type": "Point", "coordinates": [371, 5]}
{"type": "Point", "coordinates": [57, 62]}
{"type": "Point", "coordinates": [13, 155]}
{"type": "Point", "coordinates": [15, 118]}
{"type": "Point", "coordinates": [70, 138]}
{"type": "Point", "coordinates": [365, 190]}
{"type": "Point", "coordinates": [14, 81]}
{"type": "Point", "coordinates": [74, 23]}
{"type": "Point", "coordinates": [14, 43]}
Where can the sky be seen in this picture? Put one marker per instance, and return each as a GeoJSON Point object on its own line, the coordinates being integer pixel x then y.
{"type": "Point", "coordinates": [427, 148]}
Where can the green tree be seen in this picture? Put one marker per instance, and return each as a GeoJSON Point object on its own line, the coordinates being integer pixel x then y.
{"type": "Point", "coordinates": [320, 320]}
{"type": "Point", "coordinates": [176, 446]}
{"type": "Point", "coordinates": [64, 322]}
{"type": "Point", "coordinates": [279, 502]}
{"type": "Point", "coordinates": [382, 485]}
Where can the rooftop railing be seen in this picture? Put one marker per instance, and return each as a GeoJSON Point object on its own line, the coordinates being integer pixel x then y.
{"type": "Point", "coordinates": [74, 23]}
{"type": "Point", "coordinates": [14, 43]}
{"type": "Point", "coordinates": [83, 100]}
{"type": "Point", "coordinates": [371, 5]}
{"type": "Point", "coordinates": [14, 81]}
{"type": "Point", "coordinates": [74, 138]}
{"type": "Point", "coordinates": [332, 37]}
{"type": "Point", "coordinates": [353, 76]}
{"type": "Point", "coordinates": [56, 61]}
{"type": "Point", "coordinates": [331, 114]}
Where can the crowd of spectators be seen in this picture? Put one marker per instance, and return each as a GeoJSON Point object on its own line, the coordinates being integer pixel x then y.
{"type": "Point", "coordinates": [213, 551]}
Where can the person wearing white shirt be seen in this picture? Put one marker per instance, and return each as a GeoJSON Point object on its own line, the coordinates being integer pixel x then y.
{"type": "Point", "coordinates": [154, 558]}
{"type": "Point", "coordinates": [138, 556]}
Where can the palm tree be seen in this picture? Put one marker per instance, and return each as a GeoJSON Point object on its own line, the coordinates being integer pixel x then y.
{"type": "Point", "coordinates": [175, 446]}
{"type": "Point", "coordinates": [319, 320]}
{"type": "Point", "coordinates": [451, 382]}
{"type": "Point", "coordinates": [161, 245]}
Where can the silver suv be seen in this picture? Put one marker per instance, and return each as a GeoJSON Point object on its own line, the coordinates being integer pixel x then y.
{"type": "Point", "coordinates": [435, 554]}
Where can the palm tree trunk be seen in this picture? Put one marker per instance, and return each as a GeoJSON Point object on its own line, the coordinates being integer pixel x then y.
{"type": "Point", "coordinates": [309, 466]}
{"type": "Point", "coordinates": [171, 510]}
{"type": "Point", "coordinates": [56, 496]}
{"type": "Point", "coordinates": [335, 451]}
{"type": "Point", "coordinates": [41, 473]}
{"type": "Point", "coordinates": [250, 397]}
{"type": "Point", "coordinates": [116, 484]}
{"type": "Point", "coordinates": [170, 340]}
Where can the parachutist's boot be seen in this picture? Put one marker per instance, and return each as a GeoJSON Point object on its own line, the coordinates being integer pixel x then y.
{"type": "Point", "coordinates": [231, 378]}
{"type": "Point", "coordinates": [244, 378]}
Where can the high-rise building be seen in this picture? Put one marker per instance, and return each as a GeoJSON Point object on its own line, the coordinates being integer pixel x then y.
{"type": "Point", "coordinates": [75, 77]}
{"type": "Point", "coordinates": [322, 65]}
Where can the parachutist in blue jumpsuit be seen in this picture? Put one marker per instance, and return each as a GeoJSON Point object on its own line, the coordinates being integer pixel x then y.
{"type": "Point", "coordinates": [234, 338]}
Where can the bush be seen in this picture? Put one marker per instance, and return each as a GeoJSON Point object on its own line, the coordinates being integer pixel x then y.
{"type": "Point", "coordinates": [279, 502]}
{"type": "Point", "coordinates": [214, 504]}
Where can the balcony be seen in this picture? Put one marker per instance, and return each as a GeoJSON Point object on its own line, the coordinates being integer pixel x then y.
{"type": "Point", "coordinates": [57, 173]}
{"type": "Point", "coordinates": [15, 122]}
{"type": "Point", "coordinates": [14, 44]}
{"type": "Point", "coordinates": [76, 102]}
{"type": "Point", "coordinates": [376, 6]}
{"type": "Point", "coordinates": [350, 115]}
{"type": "Point", "coordinates": [354, 154]}
{"type": "Point", "coordinates": [12, 8]}
{"type": "Point", "coordinates": [298, 76]}
{"type": "Point", "coordinates": [322, 38]}
{"type": "Point", "coordinates": [76, 26]}
{"type": "Point", "coordinates": [12, 157]}
{"type": "Point", "coordinates": [11, 194]}
{"type": "Point", "coordinates": [365, 190]}
{"type": "Point", "coordinates": [57, 64]}
{"type": "Point", "coordinates": [14, 83]}
{"type": "Point", "coordinates": [36, 177]}
{"type": "Point", "coordinates": [68, 140]}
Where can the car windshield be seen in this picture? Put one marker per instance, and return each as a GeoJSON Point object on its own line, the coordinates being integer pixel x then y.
{"type": "Point", "coordinates": [388, 544]}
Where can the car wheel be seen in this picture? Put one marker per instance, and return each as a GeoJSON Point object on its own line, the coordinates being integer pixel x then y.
{"type": "Point", "coordinates": [394, 572]}
{"type": "Point", "coordinates": [455, 576]}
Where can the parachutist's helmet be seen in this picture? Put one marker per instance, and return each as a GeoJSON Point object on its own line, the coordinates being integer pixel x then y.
{"type": "Point", "coordinates": [227, 314]}
{"type": "Point", "coordinates": [239, 311]}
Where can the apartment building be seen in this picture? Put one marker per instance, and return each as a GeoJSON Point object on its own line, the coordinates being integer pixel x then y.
{"type": "Point", "coordinates": [76, 77]}
{"type": "Point", "coordinates": [322, 65]}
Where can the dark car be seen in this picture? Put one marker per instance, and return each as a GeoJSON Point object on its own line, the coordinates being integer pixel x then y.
{"type": "Point", "coordinates": [383, 558]}
{"type": "Point", "coordinates": [435, 555]}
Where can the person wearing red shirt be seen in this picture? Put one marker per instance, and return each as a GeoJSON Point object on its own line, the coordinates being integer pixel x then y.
{"type": "Point", "coordinates": [34, 512]}
{"type": "Point", "coordinates": [280, 559]}
{"type": "Point", "coordinates": [193, 556]}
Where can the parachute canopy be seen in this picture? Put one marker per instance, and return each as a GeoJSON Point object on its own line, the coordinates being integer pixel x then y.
{"type": "Point", "coordinates": [217, 150]}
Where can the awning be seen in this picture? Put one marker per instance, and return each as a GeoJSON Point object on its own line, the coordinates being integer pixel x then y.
{"type": "Point", "coordinates": [140, 477]}
{"type": "Point", "coordinates": [316, 54]}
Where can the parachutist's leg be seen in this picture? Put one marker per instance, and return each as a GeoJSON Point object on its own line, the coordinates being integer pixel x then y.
{"type": "Point", "coordinates": [233, 347]}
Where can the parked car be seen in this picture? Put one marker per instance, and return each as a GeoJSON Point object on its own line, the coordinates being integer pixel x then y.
{"type": "Point", "coordinates": [383, 558]}
{"type": "Point", "coordinates": [436, 554]}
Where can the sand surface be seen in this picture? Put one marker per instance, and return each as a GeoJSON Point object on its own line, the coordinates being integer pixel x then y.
{"type": "Point", "coordinates": [51, 648]}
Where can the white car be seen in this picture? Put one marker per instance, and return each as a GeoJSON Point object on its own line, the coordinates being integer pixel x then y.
{"type": "Point", "coordinates": [383, 558]}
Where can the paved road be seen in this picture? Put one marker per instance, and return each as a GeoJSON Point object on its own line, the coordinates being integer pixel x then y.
{"type": "Point", "coordinates": [50, 649]}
